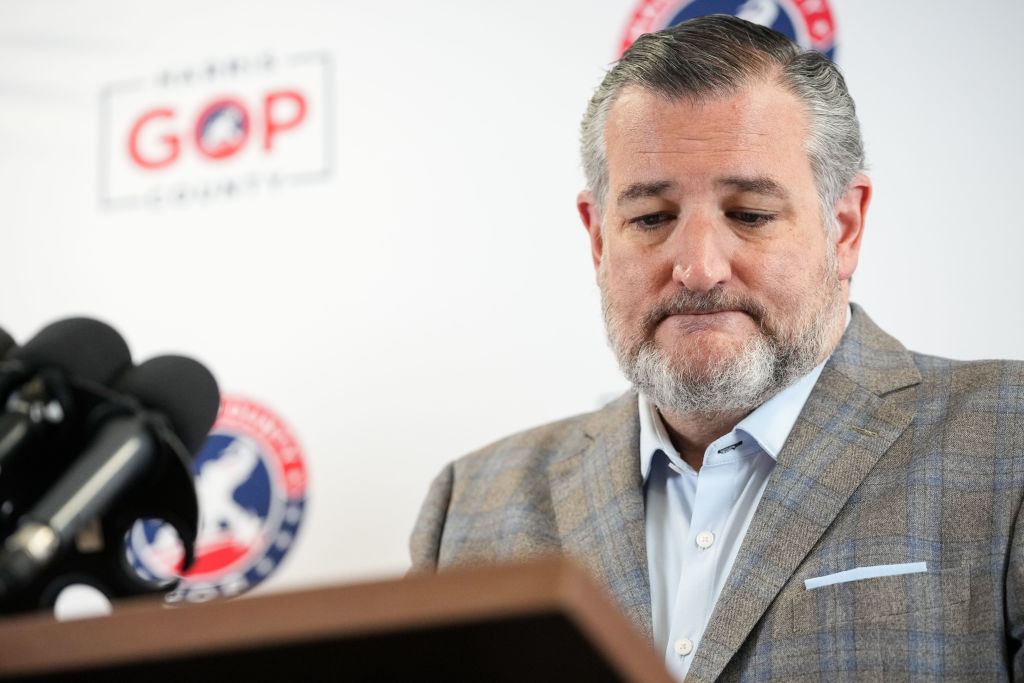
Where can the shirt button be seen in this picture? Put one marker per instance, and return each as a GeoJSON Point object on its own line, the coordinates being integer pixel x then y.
{"type": "Point", "coordinates": [684, 646]}
{"type": "Point", "coordinates": [705, 539]}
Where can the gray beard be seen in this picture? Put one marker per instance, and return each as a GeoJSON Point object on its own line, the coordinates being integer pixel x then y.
{"type": "Point", "coordinates": [766, 364]}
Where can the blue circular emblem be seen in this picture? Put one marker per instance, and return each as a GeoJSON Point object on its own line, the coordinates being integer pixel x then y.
{"type": "Point", "coordinates": [808, 22]}
{"type": "Point", "coordinates": [251, 483]}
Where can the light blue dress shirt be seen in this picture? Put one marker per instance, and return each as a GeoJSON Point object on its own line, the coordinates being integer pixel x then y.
{"type": "Point", "coordinates": [695, 521]}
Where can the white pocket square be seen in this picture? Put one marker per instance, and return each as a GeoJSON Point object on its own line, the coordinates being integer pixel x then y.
{"type": "Point", "coordinates": [872, 572]}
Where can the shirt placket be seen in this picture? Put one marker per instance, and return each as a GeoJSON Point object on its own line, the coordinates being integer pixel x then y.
{"type": "Point", "coordinates": [698, 580]}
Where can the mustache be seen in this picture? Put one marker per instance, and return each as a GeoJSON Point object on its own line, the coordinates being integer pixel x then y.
{"type": "Point", "coordinates": [714, 300]}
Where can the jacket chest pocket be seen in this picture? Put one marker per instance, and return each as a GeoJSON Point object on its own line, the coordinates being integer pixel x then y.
{"type": "Point", "coordinates": [912, 600]}
{"type": "Point", "coordinates": [888, 624]}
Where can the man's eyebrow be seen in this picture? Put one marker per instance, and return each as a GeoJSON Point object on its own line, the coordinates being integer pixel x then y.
{"type": "Point", "coordinates": [756, 184]}
{"type": "Point", "coordinates": [641, 190]}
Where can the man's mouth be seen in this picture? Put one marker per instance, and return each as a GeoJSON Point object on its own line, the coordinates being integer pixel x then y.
{"type": "Point", "coordinates": [702, 312]}
{"type": "Point", "coordinates": [709, 308]}
{"type": "Point", "coordinates": [724, 310]}
{"type": "Point", "coordinates": [704, 320]}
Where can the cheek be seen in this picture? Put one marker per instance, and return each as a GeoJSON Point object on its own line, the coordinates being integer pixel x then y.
{"type": "Point", "coordinates": [793, 263]}
{"type": "Point", "coordinates": [634, 285]}
{"type": "Point", "coordinates": [635, 266]}
{"type": "Point", "coordinates": [783, 281]}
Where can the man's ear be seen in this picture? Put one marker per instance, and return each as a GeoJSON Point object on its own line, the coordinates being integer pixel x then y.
{"type": "Point", "coordinates": [590, 214]}
{"type": "Point", "coordinates": [850, 212]}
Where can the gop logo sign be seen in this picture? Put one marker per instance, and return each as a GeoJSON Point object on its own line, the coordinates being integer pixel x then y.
{"type": "Point", "coordinates": [216, 130]}
{"type": "Point", "coordinates": [808, 22]}
{"type": "Point", "coordinates": [221, 129]}
{"type": "Point", "coordinates": [251, 482]}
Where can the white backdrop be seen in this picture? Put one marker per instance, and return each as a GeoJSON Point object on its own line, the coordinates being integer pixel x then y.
{"type": "Point", "coordinates": [434, 291]}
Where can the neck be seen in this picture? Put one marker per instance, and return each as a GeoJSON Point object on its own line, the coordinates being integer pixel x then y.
{"type": "Point", "coordinates": [691, 433]}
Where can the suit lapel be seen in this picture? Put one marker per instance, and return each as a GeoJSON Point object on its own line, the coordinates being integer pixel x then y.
{"type": "Point", "coordinates": [844, 428]}
{"type": "Point", "coordinates": [599, 507]}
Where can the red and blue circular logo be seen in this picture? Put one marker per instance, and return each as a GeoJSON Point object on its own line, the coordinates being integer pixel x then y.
{"type": "Point", "coordinates": [808, 22]}
{"type": "Point", "coordinates": [251, 483]}
{"type": "Point", "coordinates": [222, 128]}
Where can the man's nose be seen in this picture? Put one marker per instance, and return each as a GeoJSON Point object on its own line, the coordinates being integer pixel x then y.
{"type": "Point", "coordinates": [701, 253]}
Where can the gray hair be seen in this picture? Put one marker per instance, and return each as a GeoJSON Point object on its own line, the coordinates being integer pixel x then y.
{"type": "Point", "coordinates": [715, 56]}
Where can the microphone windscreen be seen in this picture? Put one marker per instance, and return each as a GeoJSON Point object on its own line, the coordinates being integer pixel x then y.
{"type": "Point", "coordinates": [180, 388]}
{"type": "Point", "coordinates": [6, 343]}
{"type": "Point", "coordinates": [81, 347]}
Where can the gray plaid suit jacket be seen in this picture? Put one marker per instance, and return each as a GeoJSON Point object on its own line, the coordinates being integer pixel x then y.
{"type": "Point", "coordinates": [896, 458]}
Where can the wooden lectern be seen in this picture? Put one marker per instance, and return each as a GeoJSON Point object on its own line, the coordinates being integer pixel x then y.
{"type": "Point", "coordinates": [536, 622]}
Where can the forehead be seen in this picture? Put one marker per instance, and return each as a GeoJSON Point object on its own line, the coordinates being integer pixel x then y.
{"type": "Point", "coordinates": [759, 128]}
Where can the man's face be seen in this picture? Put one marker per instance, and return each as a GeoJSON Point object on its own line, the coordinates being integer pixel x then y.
{"type": "Point", "coordinates": [718, 278]}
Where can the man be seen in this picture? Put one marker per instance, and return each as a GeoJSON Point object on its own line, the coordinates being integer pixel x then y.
{"type": "Point", "coordinates": [790, 493]}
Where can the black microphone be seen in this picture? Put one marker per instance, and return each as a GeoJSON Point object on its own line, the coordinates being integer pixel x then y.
{"type": "Point", "coordinates": [6, 343]}
{"type": "Point", "coordinates": [182, 390]}
{"type": "Point", "coordinates": [176, 402]}
{"type": "Point", "coordinates": [37, 381]}
{"type": "Point", "coordinates": [7, 376]}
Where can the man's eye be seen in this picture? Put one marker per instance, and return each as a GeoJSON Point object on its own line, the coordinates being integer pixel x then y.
{"type": "Point", "coordinates": [651, 220]}
{"type": "Point", "coordinates": [751, 218]}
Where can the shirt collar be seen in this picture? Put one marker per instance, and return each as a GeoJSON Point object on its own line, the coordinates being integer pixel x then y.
{"type": "Point", "coordinates": [769, 424]}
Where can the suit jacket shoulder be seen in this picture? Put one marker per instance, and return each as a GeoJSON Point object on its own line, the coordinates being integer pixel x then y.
{"type": "Point", "coordinates": [571, 487]}
{"type": "Point", "coordinates": [497, 502]}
